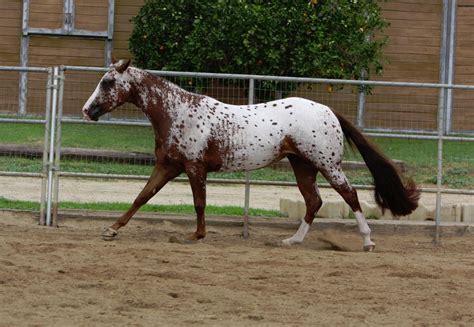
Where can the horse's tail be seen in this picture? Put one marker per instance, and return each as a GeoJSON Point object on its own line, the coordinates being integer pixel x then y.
{"type": "Point", "coordinates": [390, 192]}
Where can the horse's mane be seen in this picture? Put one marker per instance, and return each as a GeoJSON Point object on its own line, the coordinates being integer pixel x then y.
{"type": "Point", "coordinates": [161, 81]}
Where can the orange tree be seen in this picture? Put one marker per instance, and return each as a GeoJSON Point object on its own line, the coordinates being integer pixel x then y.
{"type": "Point", "coordinates": [329, 39]}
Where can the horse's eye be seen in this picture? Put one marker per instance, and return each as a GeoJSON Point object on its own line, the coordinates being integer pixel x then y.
{"type": "Point", "coordinates": [107, 84]}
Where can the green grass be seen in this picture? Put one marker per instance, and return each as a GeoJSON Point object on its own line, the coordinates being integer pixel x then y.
{"type": "Point", "coordinates": [420, 156]}
{"type": "Point", "coordinates": [93, 136]}
{"type": "Point", "coordinates": [18, 205]}
{"type": "Point", "coordinates": [116, 206]}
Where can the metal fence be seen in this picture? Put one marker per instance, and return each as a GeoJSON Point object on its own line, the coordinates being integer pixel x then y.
{"type": "Point", "coordinates": [18, 156]}
{"type": "Point", "coordinates": [413, 112]}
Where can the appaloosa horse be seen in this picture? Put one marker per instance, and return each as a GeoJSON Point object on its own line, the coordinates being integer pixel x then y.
{"type": "Point", "coordinates": [197, 134]}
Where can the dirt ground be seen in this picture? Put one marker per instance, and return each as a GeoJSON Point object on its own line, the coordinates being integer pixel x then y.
{"type": "Point", "coordinates": [69, 276]}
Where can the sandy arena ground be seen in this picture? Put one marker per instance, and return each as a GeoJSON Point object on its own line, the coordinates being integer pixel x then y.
{"type": "Point", "coordinates": [68, 276]}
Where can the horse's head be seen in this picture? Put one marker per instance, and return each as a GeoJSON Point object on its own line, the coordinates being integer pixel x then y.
{"type": "Point", "coordinates": [112, 91]}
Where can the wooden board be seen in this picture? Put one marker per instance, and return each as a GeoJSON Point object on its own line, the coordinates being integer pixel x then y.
{"type": "Point", "coordinates": [46, 13]}
{"type": "Point", "coordinates": [412, 55]}
{"type": "Point", "coordinates": [92, 15]}
{"type": "Point", "coordinates": [125, 10]}
{"type": "Point", "coordinates": [50, 51]}
{"type": "Point", "coordinates": [10, 31]}
{"type": "Point", "coordinates": [463, 101]}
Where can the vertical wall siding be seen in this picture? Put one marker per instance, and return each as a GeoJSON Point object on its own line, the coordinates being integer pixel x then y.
{"type": "Point", "coordinates": [10, 29]}
{"type": "Point", "coordinates": [46, 13]}
{"type": "Point", "coordinates": [125, 10]}
{"type": "Point", "coordinates": [412, 55]}
{"type": "Point", "coordinates": [91, 15]}
{"type": "Point", "coordinates": [463, 101]}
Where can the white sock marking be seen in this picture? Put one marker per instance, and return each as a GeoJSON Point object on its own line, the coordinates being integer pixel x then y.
{"type": "Point", "coordinates": [299, 235]}
{"type": "Point", "coordinates": [364, 228]}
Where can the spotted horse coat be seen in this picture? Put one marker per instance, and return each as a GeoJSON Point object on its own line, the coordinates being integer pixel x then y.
{"type": "Point", "coordinates": [197, 134]}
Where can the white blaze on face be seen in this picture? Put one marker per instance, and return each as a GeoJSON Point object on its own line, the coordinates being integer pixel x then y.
{"type": "Point", "coordinates": [91, 99]}
{"type": "Point", "coordinates": [115, 94]}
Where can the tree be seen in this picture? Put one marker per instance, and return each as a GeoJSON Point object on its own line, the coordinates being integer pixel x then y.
{"type": "Point", "coordinates": [327, 39]}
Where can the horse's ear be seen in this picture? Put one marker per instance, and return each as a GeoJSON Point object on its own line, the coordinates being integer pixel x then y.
{"type": "Point", "coordinates": [123, 66]}
{"type": "Point", "coordinates": [114, 60]}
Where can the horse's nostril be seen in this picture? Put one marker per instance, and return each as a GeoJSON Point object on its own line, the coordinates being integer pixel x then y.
{"type": "Point", "coordinates": [85, 110]}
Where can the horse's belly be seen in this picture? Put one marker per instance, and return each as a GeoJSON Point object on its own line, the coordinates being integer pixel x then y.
{"type": "Point", "coordinates": [248, 160]}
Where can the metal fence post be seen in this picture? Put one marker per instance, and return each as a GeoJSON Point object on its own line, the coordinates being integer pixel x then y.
{"type": "Point", "coordinates": [450, 48]}
{"type": "Point", "coordinates": [23, 83]}
{"type": "Point", "coordinates": [52, 133]}
{"type": "Point", "coordinates": [25, 43]}
{"type": "Point", "coordinates": [57, 157]}
{"type": "Point", "coordinates": [245, 232]}
{"type": "Point", "coordinates": [439, 178]}
{"type": "Point", "coordinates": [47, 126]}
{"type": "Point", "coordinates": [444, 103]}
{"type": "Point", "coordinates": [361, 109]}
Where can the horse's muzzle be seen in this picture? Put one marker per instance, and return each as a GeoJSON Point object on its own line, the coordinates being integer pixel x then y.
{"type": "Point", "coordinates": [92, 113]}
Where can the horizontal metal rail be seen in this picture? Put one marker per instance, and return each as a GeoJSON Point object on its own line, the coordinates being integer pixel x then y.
{"type": "Point", "coordinates": [399, 131]}
{"type": "Point", "coordinates": [19, 174]}
{"type": "Point", "coordinates": [106, 122]}
{"type": "Point", "coordinates": [384, 135]}
{"type": "Point", "coordinates": [243, 182]}
{"type": "Point", "coordinates": [63, 33]}
{"type": "Point", "coordinates": [22, 121]}
{"type": "Point", "coordinates": [286, 78]}
{"type": "Point", "coordinates": [422, 137]}
{"type": "Point", "coordinates": [24, 69]}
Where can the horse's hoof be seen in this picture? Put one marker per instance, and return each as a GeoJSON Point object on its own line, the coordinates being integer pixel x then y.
{"type": "Point", "coordinates": [288, 242]}
{"type": "Point", "coordinates": [109, 234]}
{"type": "Point", "coordinates": [369, 248]}
{"type": "Point", "coordinates": [193, 237]}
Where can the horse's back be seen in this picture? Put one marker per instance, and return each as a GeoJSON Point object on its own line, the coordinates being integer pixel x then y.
{"type": "Point", "coordinates": [254, 136]}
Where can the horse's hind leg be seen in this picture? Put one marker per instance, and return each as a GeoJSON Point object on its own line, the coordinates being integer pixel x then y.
{"type": "Point", "coordinates": [159, 177]}
{"type": "Point", "coordinates": [305, 173]}
{"type": "Point", "coordinates": [339, 182]}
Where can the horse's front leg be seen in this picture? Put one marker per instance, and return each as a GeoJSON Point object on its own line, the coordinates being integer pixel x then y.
{"type": "Point", "coordinates": [197, 175]}
{"type": "Point", "coordinates": [161, 175]}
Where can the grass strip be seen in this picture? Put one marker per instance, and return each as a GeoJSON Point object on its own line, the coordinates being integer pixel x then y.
{"type": "Point", "coordinates": [419, 156]}
{"type": "Point", "coordinates": [120, 206]}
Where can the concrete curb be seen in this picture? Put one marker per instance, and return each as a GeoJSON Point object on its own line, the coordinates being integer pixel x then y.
{"type": "Point", "coordinates": [339, 209]}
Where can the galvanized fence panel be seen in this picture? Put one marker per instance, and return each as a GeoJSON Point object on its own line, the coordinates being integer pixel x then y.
{"type": "Point", "coordinates": [25, 141]}
{"type": "Point", "coordinates": [121, 145]}
{"type": "Point", "coordinates": [124, 139]}
{"type": "Point", "coordinates": [384, 110]}
{"type": "Point", "coordinates": [462, 119]}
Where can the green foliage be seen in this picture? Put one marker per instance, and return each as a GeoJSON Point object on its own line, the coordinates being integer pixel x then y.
{"type": "Point", "coordinates": [331, 39]}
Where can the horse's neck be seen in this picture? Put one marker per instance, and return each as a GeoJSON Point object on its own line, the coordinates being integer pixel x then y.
{"type": "Point", "coordinates": [155, 93]}
{"type": "Point", "coordinates": [162, 101]}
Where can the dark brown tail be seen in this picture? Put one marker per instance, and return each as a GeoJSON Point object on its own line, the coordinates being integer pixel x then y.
{"type": "Point", "coordinates": [390, 192]}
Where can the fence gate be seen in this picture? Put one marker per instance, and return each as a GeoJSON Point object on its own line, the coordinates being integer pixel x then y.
{"type": "Point", "coordinates": [19, 157]}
